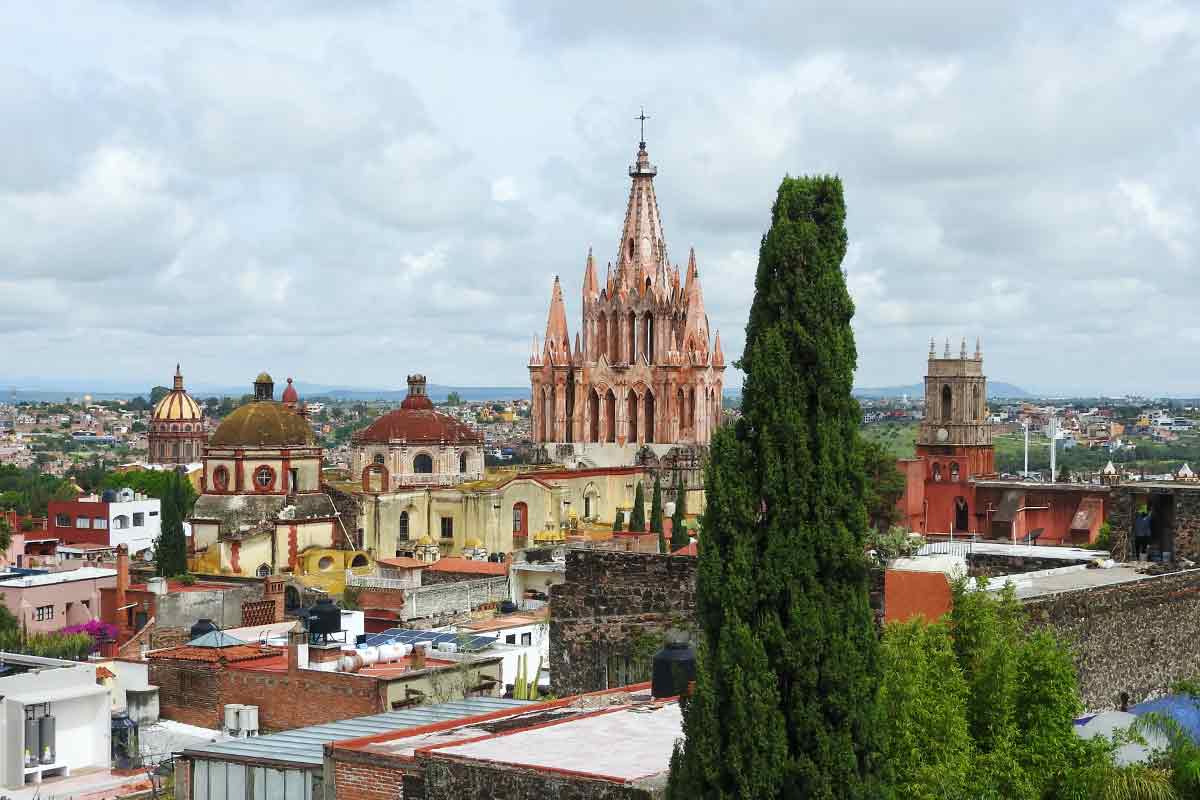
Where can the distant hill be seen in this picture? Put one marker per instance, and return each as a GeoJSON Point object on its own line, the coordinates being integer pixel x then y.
{"type": "Point", "coordinates": [996, 389]}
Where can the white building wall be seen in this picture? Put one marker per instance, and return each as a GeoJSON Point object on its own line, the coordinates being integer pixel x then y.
{"type": "Point", "coordinates": [131, 535]}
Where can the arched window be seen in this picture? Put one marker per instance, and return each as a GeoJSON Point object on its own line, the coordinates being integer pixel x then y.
{"type": "Point", "coordinates": [187, 428]}
{"type": "Point", "coordinates": [264, 478]}
{"type": "Point", "coordinates": [947, 403]}
{"type": "Point", "coordinates": [593, 434]}
{"type": "Point", "coordinates": [631, 416]}
{"type": "Point", "coordinates": [610, 411]}
{"type": "Point", "coordinates": [602, 336]}
{"type": "Point", "coordinates": [423, 464]}
{"type": "Point", "coordinates": [462, 462]}
{"type": "Point", "coordinates": [648, 416]}
{"type": "Point", "coordinates": [976, 406]}
{"type": "Point", "coordinates": [404, 526]}
{"type": "Point", "coordinates": [359, 562]}
{"type": "Point", "coordinates": [520, 519]}
{"type": "Point", "coordinates": [221, 479]}
{"type": "Point", "coordinates": [937, 472]}
{"type": "Point", "coordinates": [954, 470]}
{"type": "Point", "coordinates": [631, 247]}
{"type": "Point", "coordinates": [263, 570]}
{"type": "Point", "coordinates": [379, 458]}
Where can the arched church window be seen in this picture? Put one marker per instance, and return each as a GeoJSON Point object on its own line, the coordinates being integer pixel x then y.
{"type": "Point", "coordinates": [221, 479]}
{"type": "Point", "coordinates": [379, 459]}
{"type": "Point", "coordinates": [947, 403]}
{"type": "Point", "coordinates": [631, 247]}
{"type": "Point", "coordinates": [404, 526]}
{"type": "Point", "coordinates": [462, 462]}
{"type": "Point", "coordinates": [423, 464]}
{"type": "Point", "coordinates": [977, 407]}
{"type": "Point", "coordinates": [954, 470]}
{"type": "Point", "coordinates": [937, 472]}
{"type": "Point", "coordinates": [263, 570]}
{"type": "Point", "coordinates": [264, 478]}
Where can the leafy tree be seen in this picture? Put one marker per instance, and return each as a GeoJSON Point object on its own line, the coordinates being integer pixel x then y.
{"type": "Point", "coordinates": [138, 427]}
{"type": "Point", "coordinates": [453, 399]}
{"type": "Point", "coordinates": [927, 747]}
{"type": "Point", "coordinates": [618, 521]}
{"type": "Point", "coordinates": [170, 550]}
{"type": "Point", "coordinates": [6, 534]}
{"type": "Point", "coordinates": [637, 517]}
{"type": "Point", "coordinates": [784, 702]}
{"type": "Point", "coordinates": [885, 483]}
{"type": "Point", "coordinates": [153, 483]}
{"type": "Point", "coordinates": [679, 533]}
{"type": "Point", "coordinates": [138, 403]}
{"type": "Point", "coordinates": [158, 393]}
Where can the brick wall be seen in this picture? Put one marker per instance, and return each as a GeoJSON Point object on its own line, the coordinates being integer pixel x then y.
{"type": "Point", "coordinates": [610, 602]}
{"type": "Point", "coordinates": [360, 780]}
{"type": "Point", "coordinates": [188, 691]}
{"type": "Point", "coordinates": [1138, 638]}
{"type": "Point", "coordinates": [446, 779]}
{"type": "Point", "coordinates": [307, 697]}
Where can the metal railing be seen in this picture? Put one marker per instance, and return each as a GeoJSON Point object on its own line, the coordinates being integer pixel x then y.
{"type": "Point", "coordinates": [962, 548]}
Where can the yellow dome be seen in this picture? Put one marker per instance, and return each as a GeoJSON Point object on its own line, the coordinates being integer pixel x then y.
{"type": "Point", "coordinates": [263, 423]}
{"type": "Point", "coordinates": [425, 540]}
{"type": "Point", "coordinates": [473, 543]}
{"type": "Point", "coordinates": [177, 406]}
{"type": "Point", "coordinates": [263, 377]}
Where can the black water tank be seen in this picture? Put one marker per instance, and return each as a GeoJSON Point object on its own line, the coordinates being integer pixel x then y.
{"type": "Point", "coordinates": [674, 667]}
{"type": "Point", "coordinates": [203, 625]}
{"type": "Point", "coordinates": [507, 607]}
{"type": "Point", "coordinates": [109, 495]}
{"type": "Point", "coordinates": [325, 617]}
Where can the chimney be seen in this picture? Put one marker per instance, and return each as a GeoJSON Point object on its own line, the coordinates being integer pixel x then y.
{"type": "Point", "coordinates": [293, 653]}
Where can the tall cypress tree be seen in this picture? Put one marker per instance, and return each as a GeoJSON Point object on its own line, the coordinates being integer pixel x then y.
{"type": "Point", "coordinates": [679, 534]}
{"type": "Point", "coordinates": [170, 551]}
{"type": "Point", "coordinates": [656, 514]}
{"type": "Point", "coordinates": [784, 701]}
{"type": "Point", "coordinates": [618, 521]}
{"type": "Point", "coordinates": [637, 517]}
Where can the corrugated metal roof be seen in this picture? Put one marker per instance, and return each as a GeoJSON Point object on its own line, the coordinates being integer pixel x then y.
{"type": "Point", "coordinates": [304, 746]}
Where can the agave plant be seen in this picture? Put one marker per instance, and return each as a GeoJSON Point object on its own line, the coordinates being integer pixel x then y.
{"type": "Point", "coordinates": [1180, 756]}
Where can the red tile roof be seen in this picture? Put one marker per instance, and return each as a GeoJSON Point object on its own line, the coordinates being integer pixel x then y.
{"type": "Point", "coordinates": [403, 563]}
{"type": "Point", "coordinates": [689, 550]}
{"type": "Point", "coordinates": [226, 655]}
{"type": "Point", "coordinates": [469, 566]}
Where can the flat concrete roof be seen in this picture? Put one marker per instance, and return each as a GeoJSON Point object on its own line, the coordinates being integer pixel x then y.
{"type": "Point", "coordinates": [625, 744]}
{"type": "Point", "coordinates": [51, 578]}
{"type": "Point", "coordinates": [1050, 552]}
{"type": "Point", "coordinates": [1091, 488]}
{"type": "Point", "coordinates": [1052, 582]}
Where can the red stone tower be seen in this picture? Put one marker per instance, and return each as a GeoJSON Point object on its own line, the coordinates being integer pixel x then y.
{"type": "Point", "coordinates": [643, 371]}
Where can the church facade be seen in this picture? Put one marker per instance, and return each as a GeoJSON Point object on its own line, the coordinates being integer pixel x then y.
{"type": "Point", "coordinates": [643, 370]}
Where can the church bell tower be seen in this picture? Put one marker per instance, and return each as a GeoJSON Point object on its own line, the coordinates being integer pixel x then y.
{"type": "Point", "coordinates": [956, 425]}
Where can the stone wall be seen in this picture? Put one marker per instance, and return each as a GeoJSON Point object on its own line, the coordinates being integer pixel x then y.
{"type": "Point", "coordinates": [992, 564]}
{"type": "Point", "coordinates": [1136, 638]}
{"type": "Point", "coordinates": [1127, 498]}
{"type": "Point", "coordinates": [610, 607]}
{"type": "Point", "coordinates": [447, 779]}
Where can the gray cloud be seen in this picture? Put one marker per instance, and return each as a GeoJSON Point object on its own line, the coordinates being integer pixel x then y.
{"type": "Point", "coordinates": [351, 195]}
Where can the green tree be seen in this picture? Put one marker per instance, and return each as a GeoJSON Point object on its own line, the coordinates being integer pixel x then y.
{"type": "Point", "coordinates": [656, 507]}
{"type": "Point", "coordinates": [6, 534]}
{"type": "Point", "coordinates": [785, 696]}
{"type": "Point", "coordinates": [927, 748]}
{"type": "Point", "coordinates": [453, 399]}
{"type": "Point", "coordinates": [637, 517]}
{"type": "Point", "coordinates": [618, 521]}
{"type": "Point", "coordinates": [158, 393]}
{"type": "Point", "coordinates": [170, 550]}
{"type": "Point", "coordinates": [679, 532]}
{"type": "Point", "coordinates": [885, 484]}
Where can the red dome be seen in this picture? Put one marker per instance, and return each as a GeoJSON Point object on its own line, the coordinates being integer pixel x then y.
{"type": "Point", "coordinates": [290, 395]}
{"type": "Point", "coordinates": [418, 422]}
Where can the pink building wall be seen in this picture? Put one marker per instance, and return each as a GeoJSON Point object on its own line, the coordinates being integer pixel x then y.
{"type": "Point", "coordinates": [73, 601]}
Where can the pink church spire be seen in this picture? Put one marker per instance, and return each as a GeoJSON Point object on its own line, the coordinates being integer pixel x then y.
{"type": "Point", "coordinates": [643, 248]}
{"type": "Point", "coordinates": [718, 358]}
{"type": "Point", "coordinates": [591, 289]}
{"type": "Point", "coordinates": [558, 340]}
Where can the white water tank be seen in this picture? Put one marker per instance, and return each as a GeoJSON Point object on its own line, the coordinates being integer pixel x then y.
{"type": "Point", "coordinates": [248, 720]}
{"type": "Point", "coordinates": [157, 585]}
{"type": "Point", "coordinates": [232, 713]}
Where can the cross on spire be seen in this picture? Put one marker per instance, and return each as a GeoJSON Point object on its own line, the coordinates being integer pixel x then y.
{"type": "Point", "coordinates": [641, 118]}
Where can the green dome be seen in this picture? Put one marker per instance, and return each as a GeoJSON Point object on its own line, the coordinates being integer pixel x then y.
{"type": "Point", "coordinates": [263, 423]}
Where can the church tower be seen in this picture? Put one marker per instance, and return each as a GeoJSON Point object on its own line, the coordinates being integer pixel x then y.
{"type": "Point", "coordinates": [955, 435]}
{"type": "Point", "coordinates": [644, 370]}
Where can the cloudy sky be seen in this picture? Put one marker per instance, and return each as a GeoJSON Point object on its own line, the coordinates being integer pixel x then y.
{"type": "Point", "coordinates": [349, 195]}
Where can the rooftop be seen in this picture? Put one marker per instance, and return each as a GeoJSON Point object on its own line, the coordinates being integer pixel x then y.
{"type": "Point", "coordinates": [305, 745]}
{"type": "Point", "coordinates": [1071, 579]}
{"type": "Point", "coordinates": [466, 565]}
{"type": "Point", "coordinates": [507, 621]}
{"type": "Point", "coordinates": [624, 744]}
{"type": "Point", "coordinates": [52, 578]}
